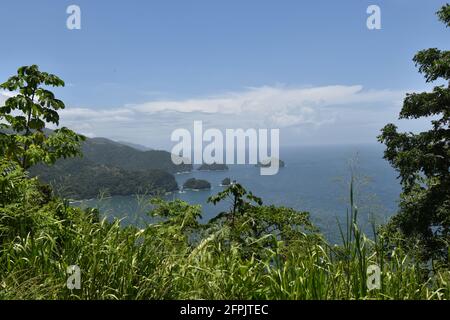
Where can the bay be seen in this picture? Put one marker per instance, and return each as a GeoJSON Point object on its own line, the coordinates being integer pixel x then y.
{"type": "Point", "coordinates": [315, 179]}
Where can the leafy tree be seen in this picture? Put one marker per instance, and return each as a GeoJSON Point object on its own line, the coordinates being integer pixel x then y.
{"type": "Point", "coordinates": [179, 220]}
{"type": "Point", "coordinates": [254, 226]}
{"type": "Point", "coordinates": [24, 203]}
{"type": "Point", "coordinates": [423, 159]}
{"type": "Point", "coordinates": [24, 118]}
{"type": "Point", "coordinates": [240, 198]}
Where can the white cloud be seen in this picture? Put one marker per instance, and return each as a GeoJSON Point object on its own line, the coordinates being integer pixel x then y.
{"type": "Point", "coordinates": [278, 106]}
{"type": "Point", "coordinates": [326, 112]}
{"type": "Point", "coordinates": [4, 95]}
{"type": "Point", "coordinates": [270, 100]}
{"type": "Point", "coordinates": [109, 115]}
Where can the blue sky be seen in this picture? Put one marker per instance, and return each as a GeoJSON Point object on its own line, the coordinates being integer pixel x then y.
{"type": "Point", "coordinates": [138, 69]}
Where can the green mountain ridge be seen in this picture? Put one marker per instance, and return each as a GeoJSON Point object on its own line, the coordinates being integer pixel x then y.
{"type": "Point", "coordinates": [82, 179]}
{"type": "Point", "coordinates": [136, 146]}
{"type": "Point", "coordinates": [111, 153]}
{"type": "Point", "coordinates": [111, 167]}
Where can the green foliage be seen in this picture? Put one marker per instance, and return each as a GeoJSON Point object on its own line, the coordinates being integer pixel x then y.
{"type": "Point", "coordinates": [83, 179]}
{"type": "Point", "coordinates": [444, 14]}
{"type": "Point", "coordinates": [252, 251]}
{"type": "Point", "coordinates": [423, 159]}
{"type": "Point", "coordinates": [196, 184]}
{"type": "Point", "coordinates": [240, 198]}
{"type": "Point", "coordinates": [256, 228]}
{"type": "Point", "coordinates": [23, 204]}
{"type": "Point", "coordinates": [112, 167]}
{"type": "Point", "coordinates": [25, 116]}
{"type": "Point", "coordinates": [180, 219]}
{"type": "Point", "coordinates": [280, 255]}
{"type": "Point", "coordinates": [112, 154]}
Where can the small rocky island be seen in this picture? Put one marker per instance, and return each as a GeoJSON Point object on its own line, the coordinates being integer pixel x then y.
{"type": "Point", "coordinates": [267, 163]}
{"type": "Point", "coordinates": [213, 167]}
{"type": "Point", "coordinates": [225, 182]}
{"type": "Point", "coordinates": [196, 184]}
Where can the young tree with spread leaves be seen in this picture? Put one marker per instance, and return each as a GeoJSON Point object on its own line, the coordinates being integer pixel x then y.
{"type": "Point", "coordinates": [25, 115]}
{"type": "Point", "coordinates": [254, 226]}
{"type": "Point", "coordinates": [423, 159]}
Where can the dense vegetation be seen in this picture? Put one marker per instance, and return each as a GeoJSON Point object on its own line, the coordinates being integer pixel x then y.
{"type": "Point", "coordinates": [82, 179]}
{"type": "Point", "coordinates": [423, 159]}
{"type": "Point", "coordinates": [112, 168]}
{"type": "Point", "coordinates": [25, 115]}
{"type": "Point", "coordinates": [196, 184]}
{"type": "Point", "coordinates": [251, 251]}
{"type": "Point", "coordinates": [114, 154]}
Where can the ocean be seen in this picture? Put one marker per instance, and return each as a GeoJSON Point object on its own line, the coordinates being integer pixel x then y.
{"type": "Point", "coordinates": [315, 179]}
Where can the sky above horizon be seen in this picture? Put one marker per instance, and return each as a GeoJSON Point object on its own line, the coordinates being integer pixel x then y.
{"type": "Point", "coordinates": [137, 70]}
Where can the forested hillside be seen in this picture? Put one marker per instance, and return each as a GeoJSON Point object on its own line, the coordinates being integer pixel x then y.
{"type": "Point", "coordinates": [112, 168]}
{"type": "Point", "coordinates": [84, 179]}
{"type": "Point", "coordinates": [111, 153]}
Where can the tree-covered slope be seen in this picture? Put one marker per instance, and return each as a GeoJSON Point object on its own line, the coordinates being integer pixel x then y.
{"type": "Point", "coordinates": [111, 153]}
{"type": "Point", "coordinates": [82, 179]}
{"type": "Point", "coordinates": [110, 167]}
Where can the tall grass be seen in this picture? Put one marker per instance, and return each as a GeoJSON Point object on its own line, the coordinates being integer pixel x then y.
{"type": "Point", "coordinates": [157, 262]}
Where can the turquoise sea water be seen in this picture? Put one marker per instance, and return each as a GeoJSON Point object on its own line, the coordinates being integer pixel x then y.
{"type": "Point", "coordinates": [315, 179]}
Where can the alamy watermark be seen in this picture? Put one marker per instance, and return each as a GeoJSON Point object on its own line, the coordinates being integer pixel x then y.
{"type": "Point", "coordinates": [236, 146]}
{"type": "Point", "coordinates": [74, 279]}
{"type": "Point", "coordinates": [373, 277]}
{"type": "Point", "coordinates": [73, 21]}
{"type": "Point", "coordinates": [374, 20]}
